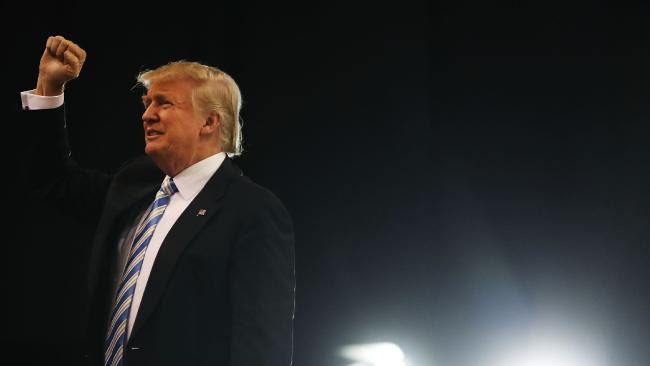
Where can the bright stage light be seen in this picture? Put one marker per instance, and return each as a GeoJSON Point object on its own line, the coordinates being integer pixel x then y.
{"type": "Point", "coordinates": [551, 349]}
{"type": "Point", "coordinates": [374, 354]}
{"type": "Point", "coordinates": [548, 355]}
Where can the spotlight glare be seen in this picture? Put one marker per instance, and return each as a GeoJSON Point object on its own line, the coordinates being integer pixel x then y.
{"type": "Point", "coordinates": [549, 350]}
{"type": "Point", "coordinates": [374, 354]}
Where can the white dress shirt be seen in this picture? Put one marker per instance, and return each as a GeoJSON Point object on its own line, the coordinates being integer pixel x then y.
{"type": "Point", "coordinates": [189, 183]}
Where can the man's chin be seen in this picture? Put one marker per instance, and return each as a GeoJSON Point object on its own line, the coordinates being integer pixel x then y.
{"type": "Point", "coordinates": [151, 150]}
{"type": "Point", "coordinates": [154, 153]}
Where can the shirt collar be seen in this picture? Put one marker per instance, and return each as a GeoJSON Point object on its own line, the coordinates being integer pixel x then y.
{"type": "Point", "coordinates": [191, 180]}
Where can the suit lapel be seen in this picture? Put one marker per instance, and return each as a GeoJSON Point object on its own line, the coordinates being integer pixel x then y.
{"type": "Point", "coordinates": [135, 186]}
{"type": "Point", "coordinates": [198, 213]}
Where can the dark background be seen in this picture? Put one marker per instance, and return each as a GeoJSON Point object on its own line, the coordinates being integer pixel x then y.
{"type": "Point", "coordinates": [460, 174]}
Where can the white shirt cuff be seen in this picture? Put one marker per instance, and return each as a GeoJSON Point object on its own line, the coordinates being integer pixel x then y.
{"type": "Point", "coordinates": [33, 101]}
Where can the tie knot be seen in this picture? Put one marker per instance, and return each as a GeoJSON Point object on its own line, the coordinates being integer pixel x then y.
{"type": "Point", "coordinates": [168, 186]}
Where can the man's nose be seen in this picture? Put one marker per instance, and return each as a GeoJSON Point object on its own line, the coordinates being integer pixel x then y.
{"type": "Point", "coordinates": [149, 115]}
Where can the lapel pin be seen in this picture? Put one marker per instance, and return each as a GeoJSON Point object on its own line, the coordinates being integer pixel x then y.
{"type": "Point", "coordinates": [201, 212]}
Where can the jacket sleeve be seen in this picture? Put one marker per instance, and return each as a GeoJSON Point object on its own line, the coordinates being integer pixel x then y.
{"type": "Point", "coordinates": [48, 172]}
{"type": "Point", "coordinates": [263, 287]}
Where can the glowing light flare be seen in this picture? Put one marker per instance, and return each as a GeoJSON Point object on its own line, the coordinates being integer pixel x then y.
{"type": "Point", "coordinates": [374, 354]}
{"type": "Point", "coordinates": [550, 350]}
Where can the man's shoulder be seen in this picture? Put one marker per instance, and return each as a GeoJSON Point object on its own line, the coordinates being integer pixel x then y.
{"type": "Point", "coordinates": [136, 176]}
{"type": "Point", "coordinates": [247, 187]}
{"type": "Point", "coordinates": [139, 168]}
{"type": "Point", "coordinates": [252, 194]}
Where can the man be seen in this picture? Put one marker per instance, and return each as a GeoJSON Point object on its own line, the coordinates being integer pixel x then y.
{"type": "Point", "coordinates": [192, 263]}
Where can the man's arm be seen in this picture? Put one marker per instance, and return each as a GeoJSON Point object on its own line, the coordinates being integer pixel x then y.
{"type": "Point", "coordinates": [263, 285]}
{"type": "Point", "coordinates": [46, 168]}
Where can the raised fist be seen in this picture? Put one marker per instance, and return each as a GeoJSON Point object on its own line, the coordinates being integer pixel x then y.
{"type": "Point", "coordinates": [61, 62]}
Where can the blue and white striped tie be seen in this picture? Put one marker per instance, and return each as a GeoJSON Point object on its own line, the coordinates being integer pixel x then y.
{"type": "Point", "coordinates": [116, 336]}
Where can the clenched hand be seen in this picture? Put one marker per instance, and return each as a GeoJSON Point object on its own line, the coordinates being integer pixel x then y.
{"type": "Point", "coordinates": [61, 62]}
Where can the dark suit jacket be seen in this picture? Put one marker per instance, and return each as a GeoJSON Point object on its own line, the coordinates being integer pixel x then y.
{"type": "Point", "coordinates": [221, 291]}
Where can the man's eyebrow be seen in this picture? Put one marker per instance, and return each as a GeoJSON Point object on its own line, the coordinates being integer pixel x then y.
{"type": "Point", "coordinates": [146, 99]}
{"type": "Point", "coordinates": [157, 97]}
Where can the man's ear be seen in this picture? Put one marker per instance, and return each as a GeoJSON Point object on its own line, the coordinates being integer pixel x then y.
{"type": "Point", "coordinates": [211, 124]}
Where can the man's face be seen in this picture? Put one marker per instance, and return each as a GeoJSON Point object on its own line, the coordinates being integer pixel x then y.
{"type": "Point", "coordinates": [171, 126]}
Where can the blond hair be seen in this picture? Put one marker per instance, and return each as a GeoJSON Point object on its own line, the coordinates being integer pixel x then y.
{"type": "Point", "coordinates": [216, 92]}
